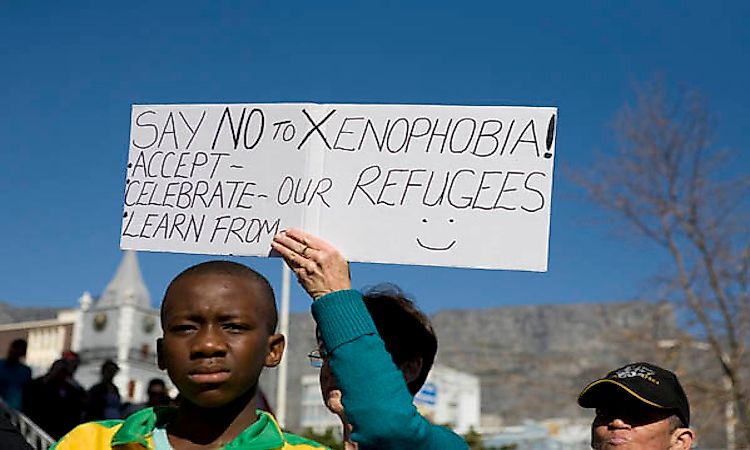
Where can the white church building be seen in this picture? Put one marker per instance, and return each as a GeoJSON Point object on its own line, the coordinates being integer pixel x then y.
{"type": "Point", "coordinates": [120, 325]}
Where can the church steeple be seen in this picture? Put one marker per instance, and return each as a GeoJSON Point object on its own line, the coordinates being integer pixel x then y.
{"type": "Point", "coordinates": [122, 326]}
{"type": "Point", "coordinates": [127, 286]}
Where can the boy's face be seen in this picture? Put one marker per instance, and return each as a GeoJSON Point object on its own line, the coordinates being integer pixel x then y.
{"type": "Point", "coordinates": [216, 338]}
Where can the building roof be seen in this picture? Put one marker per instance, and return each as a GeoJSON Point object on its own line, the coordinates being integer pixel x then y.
{"type": "Point", "coordinates": [127, 286]}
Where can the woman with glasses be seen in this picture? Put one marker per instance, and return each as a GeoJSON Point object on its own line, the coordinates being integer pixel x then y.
{"type": "Point", "coordinates": [374, 353]}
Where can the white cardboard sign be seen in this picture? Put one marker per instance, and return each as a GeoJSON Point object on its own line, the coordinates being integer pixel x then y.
{"type": "Point", "coordinates": [464, 186]}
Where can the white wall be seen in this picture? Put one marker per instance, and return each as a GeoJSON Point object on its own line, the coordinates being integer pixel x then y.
{"type": "Point", "coordinates": [451, 397]}
{"type": "Point", "coordinates": [314, 413]}
{"type": "Point", "coordinates": [456, 401]}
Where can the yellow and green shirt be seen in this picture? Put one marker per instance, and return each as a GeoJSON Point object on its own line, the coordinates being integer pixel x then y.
{"type": "Point", "coordinates": [137, 433]}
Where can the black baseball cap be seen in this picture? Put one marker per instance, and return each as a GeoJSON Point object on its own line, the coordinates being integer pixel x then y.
{"type": "Point", "coordinates": [646, 382]}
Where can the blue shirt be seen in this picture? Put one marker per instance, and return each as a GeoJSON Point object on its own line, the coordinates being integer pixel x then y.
{"type": "Point", "coordinates": [13, 377]}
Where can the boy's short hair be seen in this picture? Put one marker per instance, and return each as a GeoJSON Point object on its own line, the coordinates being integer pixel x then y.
{"type": "Point", "coordinates": [231, 268]}
{"type": "Point", "coordinates": [406, 331]}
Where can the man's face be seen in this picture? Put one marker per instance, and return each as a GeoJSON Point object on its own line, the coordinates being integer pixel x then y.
{"type": "Point", "coordinates": [216, 338]}
{"type": "Point", "coordinates": [157, 394]}
{"type": "Point", "coordinates": [632, 425]}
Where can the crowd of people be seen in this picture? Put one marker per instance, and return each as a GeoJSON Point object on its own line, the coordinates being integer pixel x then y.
{"type": "Point", "coordinates": [375, 350]}
{"type": "Point", "coordinates": [57, 403]}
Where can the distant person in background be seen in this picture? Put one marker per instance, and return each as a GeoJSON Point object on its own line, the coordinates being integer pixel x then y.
{"type": "Point", "coordinates": [638, 407]}
{"type": "Point", "coordinates": [74, 361]}
{"type": "Point", "coordinates": [375, 352]}
{"type": "Point", "coordinates": [52, 402]}
{"type": "Point", "coordinates": [157, 395]}
{"type": "Point", "coordinates": [104, 397]}
{"type": "Point", "coordinates": [14, 374]}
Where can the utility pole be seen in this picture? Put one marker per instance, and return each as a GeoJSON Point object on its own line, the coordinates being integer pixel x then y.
{"type": "Point", "coordinates": [283, 329]}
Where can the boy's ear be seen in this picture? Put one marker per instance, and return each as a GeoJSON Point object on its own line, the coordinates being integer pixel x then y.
{"type": "Point", "coordinates": [160, 353]}
{"type": "Point", "coordinates": [276, 345]}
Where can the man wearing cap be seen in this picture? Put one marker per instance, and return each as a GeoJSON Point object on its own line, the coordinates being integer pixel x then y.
{"type": "Point", "coordinates": [638, 407]}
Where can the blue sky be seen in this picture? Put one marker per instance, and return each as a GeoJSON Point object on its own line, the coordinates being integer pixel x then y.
{"type": "Point", "coordinates": [71, 70]}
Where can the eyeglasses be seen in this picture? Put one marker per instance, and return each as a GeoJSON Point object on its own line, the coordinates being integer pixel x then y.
{"type": "Point", "coordinates": [317, 358]}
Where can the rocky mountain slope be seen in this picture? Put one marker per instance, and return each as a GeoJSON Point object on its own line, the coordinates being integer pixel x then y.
{"type": "Point", "coordinates": [532, 360]}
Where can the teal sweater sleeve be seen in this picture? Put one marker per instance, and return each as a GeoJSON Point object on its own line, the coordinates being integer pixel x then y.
{"type": "Point", "coordinates": [376, 399]}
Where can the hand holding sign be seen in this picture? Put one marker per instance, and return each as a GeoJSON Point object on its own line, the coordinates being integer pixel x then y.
{"type": "Point", "coordinates": [319, 267]}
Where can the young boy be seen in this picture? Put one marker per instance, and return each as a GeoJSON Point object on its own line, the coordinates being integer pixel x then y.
{"type": "Point", "coordinates": [218, 320]}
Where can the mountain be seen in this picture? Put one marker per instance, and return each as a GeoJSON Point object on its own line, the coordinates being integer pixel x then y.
{"type": "Point", "coordinates": [14, 314]}
{"type": "Point", "coordinates": [532, 360]}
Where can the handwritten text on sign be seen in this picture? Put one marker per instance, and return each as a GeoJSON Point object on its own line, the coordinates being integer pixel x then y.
{"type": "Point", "coordinates": [433, 185]}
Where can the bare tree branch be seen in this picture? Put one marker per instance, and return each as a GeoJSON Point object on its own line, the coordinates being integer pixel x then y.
{"type": "Point", "coordinates": [674, 188]}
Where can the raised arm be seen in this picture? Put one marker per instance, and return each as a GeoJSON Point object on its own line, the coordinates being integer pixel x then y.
{"type": "Point", "coordinates": [376, 399]}
{"type": "Point", "coordinates": [319, 267]}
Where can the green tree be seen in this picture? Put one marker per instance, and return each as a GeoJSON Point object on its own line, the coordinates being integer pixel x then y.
{"type": "Point", "coordinates": [474, 439]}
{"type": "Point", "coordinates": [328, 438]}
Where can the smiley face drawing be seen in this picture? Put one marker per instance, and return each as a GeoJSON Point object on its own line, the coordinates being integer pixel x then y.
{"type": "Point", "coordinates": [436, 246]}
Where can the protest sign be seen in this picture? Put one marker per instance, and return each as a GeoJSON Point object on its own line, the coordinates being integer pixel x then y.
{"type": "Point", "coordinates": [411, 184]}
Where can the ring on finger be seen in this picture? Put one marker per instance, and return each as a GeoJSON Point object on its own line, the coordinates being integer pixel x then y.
{"type": "Point", "coordinates": [304, 250]}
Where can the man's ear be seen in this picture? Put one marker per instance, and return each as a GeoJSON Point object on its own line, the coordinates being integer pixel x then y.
{"type": "Point", "coordinates": [276, 345]}
{"type": "Point", "coordinates": [160, 353]}
{"type": "Point", "coordinates": [682, 439]}
{"type": "Point", "coordinates": [411, 369]}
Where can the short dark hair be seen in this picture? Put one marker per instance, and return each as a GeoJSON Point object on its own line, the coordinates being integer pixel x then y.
{"type": "Point", "coordinates": [155, 381]}
{"type": "Point", "coordinates": [231, 268]}
{"type": "Point", "coordinates": [17, 349]}
{"type": "Point", "coordinates": [109, 363]}
{"type": "Point", "coordinates": [675, 422]}
{"type": "Point", "coordinates": [406, 331]}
